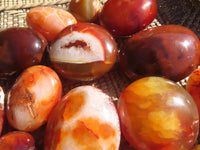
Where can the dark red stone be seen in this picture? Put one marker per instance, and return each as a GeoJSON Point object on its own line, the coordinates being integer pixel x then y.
{"type": "Point", "coordinates": [171, 51]}
{"type": "Point", "coordinates": [126, 17]}
{"type": "Point", "coordinates": [19, 49]}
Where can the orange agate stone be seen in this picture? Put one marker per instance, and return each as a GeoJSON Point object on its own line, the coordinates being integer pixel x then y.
{"type": "Point", "coordinates": [158, 114]}
{"type": "Point", "coordinates": [49, 21]}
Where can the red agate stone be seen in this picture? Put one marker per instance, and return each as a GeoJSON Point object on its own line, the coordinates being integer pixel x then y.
{"type": "Point", "coordinates": [170, 51]}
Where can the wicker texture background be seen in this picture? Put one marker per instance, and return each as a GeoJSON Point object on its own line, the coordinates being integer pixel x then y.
{"type": "Point", "coordinates": [181, 12]}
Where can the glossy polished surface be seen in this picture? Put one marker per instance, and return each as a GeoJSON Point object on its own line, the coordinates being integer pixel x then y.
{"type": "Point", "coordinates": [158, 114]}
{"type": "Point", "coordinates": [85, 119]}
{"type": "Point", "coordinates": [32, 97]}
{"type": "Point", "coordinates": [85, 10]}
{"type": "Point", "coordinates": [2, 110]}
{"type": "Point", "coordinates": [83, 51]}
{"type": "Point", "coordinates": [17, 140]}
{"type": "Point", "coordinates": [19, 49]}
{"type": "Point", "coordinates": [193, 86]}
{"type": "Point", "coordinates": [126, 17]}
{"type": "Point", "coordinates": [170, 51]}
{"type": "Point", "coordinates": [49, 21]}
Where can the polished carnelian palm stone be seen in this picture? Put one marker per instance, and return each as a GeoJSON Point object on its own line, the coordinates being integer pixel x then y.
{"type": "Point", "coordinates": [193, 87]}
{"type": "Point", "coordinates": [20, 48]}
{"type": "Point", "coordinates": [84, 119]}
{"type": "Point", "coordinates": [49, 21]}
{"type": "Point", "coordinates": [126, 17]}
{"type": "Point", "coordinates": [158, 114]}
{"type": "Point", "coordinates": [170, 51]}
{"type": "Point", "coordinates": [85, 10]}
{"type": "Point", "coordinates": [83, 51]}
{"type": "Point", "coordinates": [17, 140]}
